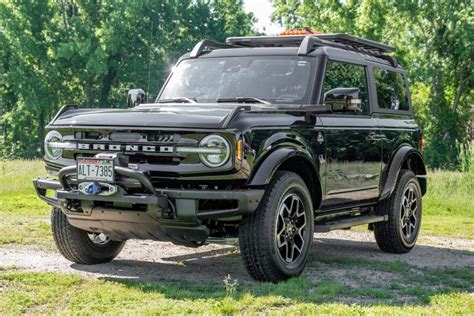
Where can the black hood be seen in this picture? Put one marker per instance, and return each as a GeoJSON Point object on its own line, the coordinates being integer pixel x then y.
{"type": "Point", "coordinates": [210, 116]}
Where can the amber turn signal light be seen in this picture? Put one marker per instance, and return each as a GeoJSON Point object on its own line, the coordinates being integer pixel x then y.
{"type": "Point", "coordinates": [239, 150]}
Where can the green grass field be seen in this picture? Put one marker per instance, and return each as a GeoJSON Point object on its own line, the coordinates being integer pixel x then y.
{"type": "Point", "coordinates": [51, 293]}
{"type": "Point", "coordinates": [448, 211]}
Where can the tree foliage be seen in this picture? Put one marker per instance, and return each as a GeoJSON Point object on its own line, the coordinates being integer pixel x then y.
{"type": "Point", "coordinates": [87, 52]}
{"type": "Point", "coordinates": [434, 41]}
{"type": "Point", "coordinates": [56, 52]}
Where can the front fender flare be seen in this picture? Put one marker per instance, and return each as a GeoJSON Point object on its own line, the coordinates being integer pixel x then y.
{"type": "Point", "coordinates": [270, 164]}
{"type": "Point", "coordinates": [395, 165]}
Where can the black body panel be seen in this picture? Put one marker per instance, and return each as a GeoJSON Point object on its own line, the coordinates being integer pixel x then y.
{"type": "Point", "coordinates": [154, 115]}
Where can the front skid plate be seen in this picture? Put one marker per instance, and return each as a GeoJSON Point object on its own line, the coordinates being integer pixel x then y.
{"type": "Point", "coordinates": [123, 225]}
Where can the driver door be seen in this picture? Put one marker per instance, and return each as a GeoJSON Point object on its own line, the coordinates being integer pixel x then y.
{"type": "Point", "coordinates": [353, 156]}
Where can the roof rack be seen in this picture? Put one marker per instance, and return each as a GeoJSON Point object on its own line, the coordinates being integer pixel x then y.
{"type": "Point", "coordinates": [295, 40]}
{"type": "Point", "coordinates": [306, 43]}
{"type": "Point", "coordinates": [357, 42]}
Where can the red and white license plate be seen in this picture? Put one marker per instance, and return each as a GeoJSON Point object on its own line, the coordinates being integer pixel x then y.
{"type": "Point", "coordinates": [95, 169]}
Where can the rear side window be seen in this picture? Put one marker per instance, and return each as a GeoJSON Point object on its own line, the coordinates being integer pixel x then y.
{"type": "Point", "coordinates": [342, 75]}
{"type": "Point", "coordinates": [391, 90]}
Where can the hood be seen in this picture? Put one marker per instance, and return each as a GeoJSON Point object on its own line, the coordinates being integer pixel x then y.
{"type": "Point", "coordinates": [208, 116]}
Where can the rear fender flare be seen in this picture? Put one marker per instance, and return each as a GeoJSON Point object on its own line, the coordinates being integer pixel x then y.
{"type": "Point", "coordinates": [404, 154]}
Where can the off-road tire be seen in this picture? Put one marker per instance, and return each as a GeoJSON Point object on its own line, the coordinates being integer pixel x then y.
{"type": "Point", "coordinates": [389, 235]}
{"type": "Point", "coordinates": [257, 239]}
{"type": "Point", "coordinates": [75, 244]}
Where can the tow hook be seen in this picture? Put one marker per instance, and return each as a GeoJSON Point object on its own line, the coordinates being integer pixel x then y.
{"type": "Point", "coordinates": [97, 188]}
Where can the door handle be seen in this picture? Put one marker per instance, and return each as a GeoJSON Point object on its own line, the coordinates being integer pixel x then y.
{"type": "Point", "coordinates": [376, 137]}
{"type": "Point", "coordinates": [372, 137]}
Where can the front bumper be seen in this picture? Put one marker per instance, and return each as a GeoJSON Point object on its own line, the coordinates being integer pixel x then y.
{"type": "Point", "coordinates": [160, 214]}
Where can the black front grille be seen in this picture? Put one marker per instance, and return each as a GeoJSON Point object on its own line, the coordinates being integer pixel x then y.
{"type": "Point", "coordinates": [128, 136]}
{"type": "Point", "coordinates": [154, 160]}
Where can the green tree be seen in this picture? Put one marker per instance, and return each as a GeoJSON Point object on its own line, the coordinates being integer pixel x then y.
{"type": "Point", "coordinates": [434, 41]}
{"type": "Point", "coordinates": [56, 52]}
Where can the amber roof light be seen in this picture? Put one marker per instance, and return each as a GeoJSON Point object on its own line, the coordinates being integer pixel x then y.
{"type": "Point", "coordinates": [303, 31]}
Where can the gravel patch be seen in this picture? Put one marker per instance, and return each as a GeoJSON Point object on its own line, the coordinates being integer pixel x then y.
{"type": "Point", "coordinates": [150, 261]}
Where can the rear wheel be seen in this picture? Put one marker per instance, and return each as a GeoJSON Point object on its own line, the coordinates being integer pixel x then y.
{"type": "Point", "coordinates": [404, 209]}
{"type": "Point", "coordinates": [276, 239]}
{"type": "Point", "coordinates": [80, 246]}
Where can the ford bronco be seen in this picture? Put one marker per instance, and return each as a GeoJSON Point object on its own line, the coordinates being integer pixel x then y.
{"type": "Point", "coordinates": [267, 139]}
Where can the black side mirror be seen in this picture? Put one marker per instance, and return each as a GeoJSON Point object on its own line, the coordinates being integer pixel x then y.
{"type": "Point", "coordinates": [136, 97]}
{"type": "Point", "coordinates": [343, 99]}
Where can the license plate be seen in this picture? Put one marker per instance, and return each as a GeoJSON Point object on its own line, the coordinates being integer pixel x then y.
{"type": "Point", "coordinates": [95, 169]}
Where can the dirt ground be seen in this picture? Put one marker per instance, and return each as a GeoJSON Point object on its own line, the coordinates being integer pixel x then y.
{"type": "Point", "coordinates": [150, 261]}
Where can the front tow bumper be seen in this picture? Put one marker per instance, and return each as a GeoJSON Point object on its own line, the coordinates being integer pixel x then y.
{"type": "Point", "coordinates": [160, 214]}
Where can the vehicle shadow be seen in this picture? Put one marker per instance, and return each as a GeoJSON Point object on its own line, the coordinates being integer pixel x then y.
{"type": "Point", "coordinates": [357, 268]}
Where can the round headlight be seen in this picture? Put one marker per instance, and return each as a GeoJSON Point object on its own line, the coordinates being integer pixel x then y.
{"type": "Point", "coordinates": [214, 151]}
{"type": "Point", "coordinates": [51, 142]}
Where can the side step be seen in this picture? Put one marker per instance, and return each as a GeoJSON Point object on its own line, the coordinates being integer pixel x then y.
{"type": "Point", "coordinates": [349, 222]}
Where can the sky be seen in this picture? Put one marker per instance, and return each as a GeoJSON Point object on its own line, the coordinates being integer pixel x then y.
{"type": "Point", "coordinates": [262, 9]}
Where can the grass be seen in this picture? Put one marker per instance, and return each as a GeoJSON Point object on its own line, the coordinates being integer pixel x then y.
{"type": "Point", "coordinates": [448, 208]}
{"type": "Point", "coordinates": [411, 291]}
{"type": "Point", "coordinates": [25, 218]}
{"type": "Point", "coordinates": [394, 288]}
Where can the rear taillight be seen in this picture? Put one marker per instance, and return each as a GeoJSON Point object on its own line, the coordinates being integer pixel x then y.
{"type": "Point", "coordinates": [421, 143]}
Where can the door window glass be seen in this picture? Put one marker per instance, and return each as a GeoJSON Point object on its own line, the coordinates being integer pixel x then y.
{"type": "Point", "coordinates": [341, 75]}
{"type": "Point", "coordinates": [391, 90]}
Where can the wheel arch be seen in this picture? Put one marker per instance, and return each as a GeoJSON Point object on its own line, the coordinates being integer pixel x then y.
{"type": "Point", "coordinates": [409, 158]}
{"type": "Point", "coordinates": [294, 160]}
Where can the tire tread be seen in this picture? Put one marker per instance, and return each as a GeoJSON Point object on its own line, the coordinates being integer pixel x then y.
{"type": "Point", "coordinates": [254, 251]}
{"type": "Point", "coordinates": [74, 244]}
{"type": "Point", "coordinates": [387, 233]}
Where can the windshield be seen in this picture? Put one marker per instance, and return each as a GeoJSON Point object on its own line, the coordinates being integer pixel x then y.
{"type": "Point", "coordinates": [269, 79]}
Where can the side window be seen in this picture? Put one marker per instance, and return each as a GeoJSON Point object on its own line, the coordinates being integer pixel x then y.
{"type": "Point", "coordinates": [391, 90]}
{"type": "Point", "coordinates": [341, 75]}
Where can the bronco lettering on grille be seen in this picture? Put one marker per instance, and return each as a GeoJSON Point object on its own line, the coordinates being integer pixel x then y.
{"type": "Point", "coordinates": [128, 148]}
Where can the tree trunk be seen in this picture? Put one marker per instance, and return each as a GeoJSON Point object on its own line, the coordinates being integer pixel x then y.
{"type": "Point", "coordinates": [458, 95]}
{"type": "Point", "coordinates": [106, 87]}
{"type": "Point", "coordinates": [435, 91]}
{"type": "Point", "coordinates": [64, 14]}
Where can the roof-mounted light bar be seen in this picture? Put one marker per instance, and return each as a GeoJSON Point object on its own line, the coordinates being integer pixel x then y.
{"type": "Point", "coordinates": [303, 31]}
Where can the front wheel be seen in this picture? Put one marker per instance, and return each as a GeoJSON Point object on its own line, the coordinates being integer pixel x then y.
{"type": "Point", "coordinates": [276, 239]}
{"type": "Point", "coordinates": [404, 209]}
{"type": "Point", "coordinates": [80, 246]}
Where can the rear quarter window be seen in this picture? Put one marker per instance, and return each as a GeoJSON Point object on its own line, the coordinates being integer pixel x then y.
{"type": "Point", "coordinates": [391, 90]}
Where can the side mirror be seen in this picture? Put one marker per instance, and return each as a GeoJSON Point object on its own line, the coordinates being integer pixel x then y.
{"type": "Point", "coordinates": [136, 97]}
{"type": "Point", "coordinates": [343, 99]}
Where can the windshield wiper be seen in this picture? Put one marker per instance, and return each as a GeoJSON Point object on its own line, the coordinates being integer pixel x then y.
{"type": "Point", "coordinates": [177, 100]}
{"type": "Point", "coordinates": [242, 100]}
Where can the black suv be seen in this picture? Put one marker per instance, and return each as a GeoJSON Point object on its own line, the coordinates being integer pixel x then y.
{"type": "Point", "coordinates": [268, 139]}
